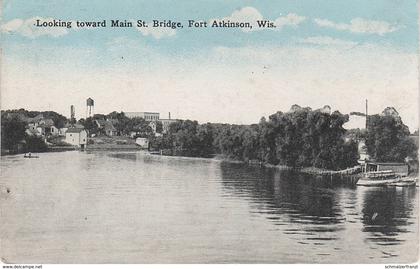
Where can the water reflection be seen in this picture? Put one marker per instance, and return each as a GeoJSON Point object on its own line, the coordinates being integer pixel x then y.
{"type": "Point", "coordinates": [320, 210]}
{"type": "Point", "coordinates": [310, 208]}
{"type": "Point", "coordinates": [386, 213]}
{"type": "Point", "coordinates": [138, 208]}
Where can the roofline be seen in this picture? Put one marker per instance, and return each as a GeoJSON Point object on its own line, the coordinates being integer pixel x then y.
{"type": "Point", "coordinates": [385, 163]}
{"type": "Point", "coordinates": [141, 112]}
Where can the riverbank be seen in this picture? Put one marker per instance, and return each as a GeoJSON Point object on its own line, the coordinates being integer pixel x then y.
{"type": "Point", "coordinates": [112, 143]}
{"type": "Point", "coordinates": [307, 170]}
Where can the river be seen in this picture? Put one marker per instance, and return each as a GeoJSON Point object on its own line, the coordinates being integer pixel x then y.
{"type": "Point", "coordinates": [122, 207]}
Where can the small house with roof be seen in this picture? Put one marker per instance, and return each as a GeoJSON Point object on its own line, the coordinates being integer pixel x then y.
{"type": "Point", "coordinates": [33, 122]}
{"type": "Point", "coordinates": [106, 127]}
{"type": "Point", "coordinates": [142, 142]}
{"type": "Point", "coordinates": [76, 137]}
{"type": "Point", "coordinates": [41, 126]}
{"type": "Point", "coordinates": [46, 127]}
{"type": "Point", "coordinates": [62, 131]}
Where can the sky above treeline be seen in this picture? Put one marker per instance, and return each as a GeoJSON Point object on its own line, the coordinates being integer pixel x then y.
{"type": "Point", "coordinates": [321, 52]}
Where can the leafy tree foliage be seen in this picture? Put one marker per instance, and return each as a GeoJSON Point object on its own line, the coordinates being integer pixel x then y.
{"type": "Point", "coordinates": [159, 127]}
{"type": "Point", "coordinates": [187, 138]}
{"type": "Point", "coordinates": [12, 131]}
{"type": "Point", "coordinates": [298, 138]}
{"type": "Point", "coordinates": [58, 119]}
{"type": "Point", "coordinates": [90, 125]}
{"type": "Point", "coordinates": [387, 139]}
{"type": "Point", "coordinates": [35, 144]}
{"type": "Point", "coordinates": [122, 124]}
{"type": "Point", "coordinates": [140, 126]}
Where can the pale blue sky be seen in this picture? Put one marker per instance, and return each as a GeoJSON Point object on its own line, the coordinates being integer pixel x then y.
{"type": "Point", "coordinates": [344, 38]}
{"type": "Point", "coordinates": [402, 13]}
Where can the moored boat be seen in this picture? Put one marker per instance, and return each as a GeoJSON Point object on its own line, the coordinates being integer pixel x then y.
{"type": "Point", "coordinates": [380, 178]}
{"type": "Point", "coordinates": [403, 183]}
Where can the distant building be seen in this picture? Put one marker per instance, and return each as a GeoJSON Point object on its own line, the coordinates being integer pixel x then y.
{"type": "Point", "coordinates": [148, 116]}
{"type": "Point", "coordinates": [363, 153]}
{"type": "Point", "coordinates": [41, 126]}
{"type": "Point", "coordinates": [166, 123]}
{"type": "Point", "coordinates": [32, 132]}
{"type": "Point", "coordinates": [153, 125]}
{"type": "Point", "coordinates": [106, 127]}
{"type": "Point", "coordinates": [34, 121]}
{"type": "Point", "coordinates": [109, 129]}
{"type": "Point", "coordinates": [142, 142]}
{"type": "Point", "coordinates": [46, 128]}
{"type": "Point", "coordinates": [76, 137]}
{"type": "Point", "coordinates": [356, 121]}
{"type": "Point", "coordinates": [62, 131]}
{"type": "Point", "coordinates": [400, 169]}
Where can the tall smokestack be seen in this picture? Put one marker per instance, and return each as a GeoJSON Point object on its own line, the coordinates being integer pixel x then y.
{"type": "Point", "coordinates": [72, 112]}
{"type": "Point", "coordinates": [169, 116]}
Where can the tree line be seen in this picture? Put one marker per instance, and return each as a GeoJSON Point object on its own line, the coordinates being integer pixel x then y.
{"type": "Point", "coordinates": [122, 124]}
{"type": "Point", "coordinates": [14, 138]}
{"type": "Point", "coordinates": [301, 137]}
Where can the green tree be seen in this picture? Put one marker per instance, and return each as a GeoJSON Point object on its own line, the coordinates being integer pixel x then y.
{"type": "Point", "coordinates": [12, 131]}
{"type": "Point", "coordinates": [90, 125]}
{"type": "Point", "coordinates": [387, 138]}
{"type": "Point", "coordinates": [159, 127]}
{"type": "Point", "coordinates": [58, 119]}
{"type": "Point", "coordinates": [35, 144]}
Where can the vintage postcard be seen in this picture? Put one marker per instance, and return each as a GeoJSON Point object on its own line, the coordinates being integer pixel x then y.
{"type": "Point", "coordinates": [209, 132]}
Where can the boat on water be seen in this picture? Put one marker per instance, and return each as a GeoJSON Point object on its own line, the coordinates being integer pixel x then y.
{"type": "Point", "coordinates": [386, 178]}
{"type": "Point", "coordinates": [403, 183]}
{"type": "Point", "coordinates": [378, 178]}
{"type": "Point", "coordinates": [29, 155]}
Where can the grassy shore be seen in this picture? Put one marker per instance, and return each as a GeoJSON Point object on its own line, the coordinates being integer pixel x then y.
{"type": "Point", "coordinates": [112, 143]}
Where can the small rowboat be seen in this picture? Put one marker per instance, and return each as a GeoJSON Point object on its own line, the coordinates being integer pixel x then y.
{"type": "Point", "coordinates": [30, 156]}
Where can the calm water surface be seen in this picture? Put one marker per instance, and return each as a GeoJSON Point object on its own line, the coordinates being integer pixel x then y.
{"type": "Point", "coordinates": [104, 207]}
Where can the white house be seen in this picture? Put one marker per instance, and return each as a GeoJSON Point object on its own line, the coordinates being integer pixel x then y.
{"type": "Point", "coordinates": [76, 137]}
{"type": "Point", "coordinates": [62, 131]}
{"type": "Point", "coordinates": [142, 142]}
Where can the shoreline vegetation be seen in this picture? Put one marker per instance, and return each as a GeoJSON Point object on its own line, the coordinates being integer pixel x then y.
{"type": "Point", "coordinates": [311, 141]}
